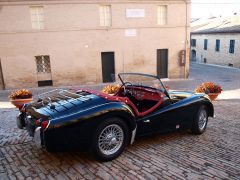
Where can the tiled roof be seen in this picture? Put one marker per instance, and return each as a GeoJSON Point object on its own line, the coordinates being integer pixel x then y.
{"type": "Point", "coordinates": [219, 25]}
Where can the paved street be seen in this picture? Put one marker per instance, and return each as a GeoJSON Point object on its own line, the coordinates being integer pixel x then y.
{"type": "Point", "coordinates": [212, 155]}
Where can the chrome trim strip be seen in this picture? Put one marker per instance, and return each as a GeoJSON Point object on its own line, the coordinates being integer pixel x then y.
{"type": "Point", "coordinates": [133, 135]}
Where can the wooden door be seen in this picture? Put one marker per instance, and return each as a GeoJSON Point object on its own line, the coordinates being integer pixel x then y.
{"type": "Point", "coordinates": [108, 66]}
{"type": "Point", "coordinates": [162, 63]}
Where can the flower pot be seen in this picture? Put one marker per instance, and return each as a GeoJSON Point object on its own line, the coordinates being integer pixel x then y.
{"type": "Point", "coordinates": [213, 96]}
{"type": "Point", "coordinates": [20, 102]}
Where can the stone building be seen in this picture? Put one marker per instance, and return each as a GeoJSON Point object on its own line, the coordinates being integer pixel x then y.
{"type": "Point", "coordinates": [73, 42]}
{"type": "Point", "coordinates": [217, 42]}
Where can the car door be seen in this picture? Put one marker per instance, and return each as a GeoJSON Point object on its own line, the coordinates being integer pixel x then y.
{"type": "Point", "coordinates": [165, 119]}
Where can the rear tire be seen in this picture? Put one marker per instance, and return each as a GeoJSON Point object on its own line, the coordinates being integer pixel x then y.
{"type": "Point", "coordinates": [110, 139]}
{"type": "Point", "coordinates": [200, 121]}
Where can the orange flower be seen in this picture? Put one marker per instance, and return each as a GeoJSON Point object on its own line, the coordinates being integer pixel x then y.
{"type": "Point", "coordinates": [208, 87]}
{"type": "Point", "coordinates": [111, 89]}
{"type": "Point", "coordinates": [21, 94]}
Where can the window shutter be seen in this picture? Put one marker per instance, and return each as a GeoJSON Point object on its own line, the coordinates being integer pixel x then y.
{"type": "Point", "coordinates": [162, 15]}
{"type": "Point", "coordinates": [37, 17]}
{"type": "Point", "coordinates": [105, 15]}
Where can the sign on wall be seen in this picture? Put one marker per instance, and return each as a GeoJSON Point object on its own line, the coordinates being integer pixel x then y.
{"type": "Point", "coordinates": [130, 32]}
{"type": "Point", "coordinates": [135, 13]}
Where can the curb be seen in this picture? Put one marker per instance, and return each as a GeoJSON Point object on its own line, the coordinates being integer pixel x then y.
{"type": "Point", "coordinates": [216, 65]}
{"type": "Point", "coordinates": [99, 85]}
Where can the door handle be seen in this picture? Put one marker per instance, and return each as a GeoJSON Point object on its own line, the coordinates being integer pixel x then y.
{"type": "Point", "coordinates": [147, 121]}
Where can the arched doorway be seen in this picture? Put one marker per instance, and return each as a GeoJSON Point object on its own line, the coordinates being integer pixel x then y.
{"type": "Point", "coordinates": [193, 55]}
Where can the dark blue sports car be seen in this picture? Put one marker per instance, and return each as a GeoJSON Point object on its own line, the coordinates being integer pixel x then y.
{"type": "Point", "coordinates": [106, 123]}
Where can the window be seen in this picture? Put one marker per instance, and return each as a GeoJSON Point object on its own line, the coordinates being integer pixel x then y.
{"type": "Point", "coordinates": [37, 17]}
{"type": "Point", "coordinates": [105, 15]}
{"type": "Point", "coordinates": [205, 44]}
{"type": "Point", "coordinates": [43, 64]}
{"type": "Point", "coordinates": [231, 46]}
{"type": "Point", "coordinates": [162, 15]}
{"type": "Point", "coordinates": [217, 47]}
{"type": "Point", "coordinates": [193, 42]}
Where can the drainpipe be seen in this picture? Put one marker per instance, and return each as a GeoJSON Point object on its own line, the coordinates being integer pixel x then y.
{"type": "Point", "coordinates": [186, 39]}
{"type": "Point", "coordinates": [1, 75]}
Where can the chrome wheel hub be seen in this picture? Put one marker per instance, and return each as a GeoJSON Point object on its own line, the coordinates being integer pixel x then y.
{"type": "Point", "coordinates": [110, 139]}
{"type": "Point", "coordinates": [202, 120]}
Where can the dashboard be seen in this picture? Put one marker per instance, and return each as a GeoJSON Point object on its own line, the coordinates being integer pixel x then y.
{"type": "Point", "coordinates": [143, 93]}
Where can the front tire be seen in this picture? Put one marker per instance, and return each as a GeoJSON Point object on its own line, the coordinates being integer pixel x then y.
{"type": "Point", "coordinates": [110, 139]}
{"type": "Point", "coordinates": [200, 121]}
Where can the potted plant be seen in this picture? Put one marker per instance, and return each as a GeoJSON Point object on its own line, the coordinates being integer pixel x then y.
{"type": "Point", "coordinates": [20, 97]}
{"type": "Point", "coordinates": [111, 89]}
{"type": "Point", "coordinates": [209, 88]}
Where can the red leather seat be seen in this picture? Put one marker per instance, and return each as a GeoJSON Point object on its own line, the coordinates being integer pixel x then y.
{"type": "Point", "coordinates": [128, 102]}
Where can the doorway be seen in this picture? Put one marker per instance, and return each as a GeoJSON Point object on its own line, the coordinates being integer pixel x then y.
{"type": "Point", "coordinates": [162, 63]}
{"type": "Point", "coordinates": [108, 66]}
{"type": "Point", "coordinates": [193, 55]}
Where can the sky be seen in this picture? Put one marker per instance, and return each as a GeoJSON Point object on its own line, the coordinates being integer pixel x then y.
{"type": "Point", "coordinates": [208, 8]}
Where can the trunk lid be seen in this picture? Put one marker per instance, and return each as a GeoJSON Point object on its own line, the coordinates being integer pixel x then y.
{"type": "Point", "coordinates": [58, 102]}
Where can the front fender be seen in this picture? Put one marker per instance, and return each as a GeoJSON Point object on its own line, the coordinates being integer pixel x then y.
{"type": "Point", "coordinates": [209, 105]}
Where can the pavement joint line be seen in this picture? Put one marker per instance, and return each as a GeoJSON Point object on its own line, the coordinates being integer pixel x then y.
{"type": "Point", "coordinates": [6, 145]}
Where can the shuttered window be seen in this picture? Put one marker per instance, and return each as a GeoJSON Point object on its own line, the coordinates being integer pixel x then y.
{"type": "Point", "coordinates": [193, 42]}
{"type": "Point", "coordinates": [162, 15]}
{"type": "Point", "coordinates": [217, 48]}
{"type": "Point", "coordinates": [232, 46]}
{"type": "Point", "coordinates": [205, 44]}
{"type": "Point", "coordinates": [105, 15]}
{"type": "Point", "coordinates": [37, 17]}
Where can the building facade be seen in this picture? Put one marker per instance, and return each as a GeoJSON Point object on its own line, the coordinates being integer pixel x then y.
{"type": "Point", "coordinates": [59, 42]}
{"type": "Point", "coordinates": [217, 42]}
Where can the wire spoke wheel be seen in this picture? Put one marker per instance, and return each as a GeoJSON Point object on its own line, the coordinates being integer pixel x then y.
{"type": "Point", "coordinates": [202, 119]}
{"type": "Point", "coordinates": [111, 139]}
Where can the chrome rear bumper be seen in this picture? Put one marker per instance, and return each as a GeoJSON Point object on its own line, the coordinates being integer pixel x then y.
{"type": "Point", "coordinates": [37, 137]}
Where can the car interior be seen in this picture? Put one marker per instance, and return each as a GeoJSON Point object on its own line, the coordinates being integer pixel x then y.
{"type": "Point", "coordinates": [142, 100]}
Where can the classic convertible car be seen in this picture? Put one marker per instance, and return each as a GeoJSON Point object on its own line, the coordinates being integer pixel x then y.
{"type": "Point", "coordinates": [106, 123]}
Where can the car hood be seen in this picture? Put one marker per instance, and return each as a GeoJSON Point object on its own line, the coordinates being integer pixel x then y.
{"type": "Point", "coordinates": [185, 94]}
{"type": "Point", "coordinates": [180, 93]}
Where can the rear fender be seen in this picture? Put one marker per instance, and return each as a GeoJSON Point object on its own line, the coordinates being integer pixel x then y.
{"type": "Point", "coordinates": [80, 127]}
{"type": "Point", "coordinates": [97, 113]}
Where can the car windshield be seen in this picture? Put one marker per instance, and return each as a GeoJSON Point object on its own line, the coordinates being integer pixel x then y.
{"type": "Point", "coordinates": [138, 79]}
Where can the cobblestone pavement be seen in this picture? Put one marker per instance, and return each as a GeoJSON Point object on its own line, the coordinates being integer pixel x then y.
{"type": "Point", "coordinates": [212, 155]}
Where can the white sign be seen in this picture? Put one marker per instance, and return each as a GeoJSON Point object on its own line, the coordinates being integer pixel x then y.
{"type": "Point", "coordinates": [135, 13]}
{"type": "Point", "coordinates": [130, 32]}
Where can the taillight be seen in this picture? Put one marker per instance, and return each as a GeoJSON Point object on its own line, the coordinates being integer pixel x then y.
{"type": "Point", "coordinates": [44, 124]}
{"type": "Point", "coordinates": [38, 122]}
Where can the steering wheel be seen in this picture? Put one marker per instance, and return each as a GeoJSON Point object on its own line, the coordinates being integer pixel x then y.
{"type": "Point", "coordinates": [124, 88]}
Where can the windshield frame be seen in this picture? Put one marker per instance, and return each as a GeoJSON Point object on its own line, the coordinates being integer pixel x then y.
{"type": "Point", "coordinates": [148, 75]}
